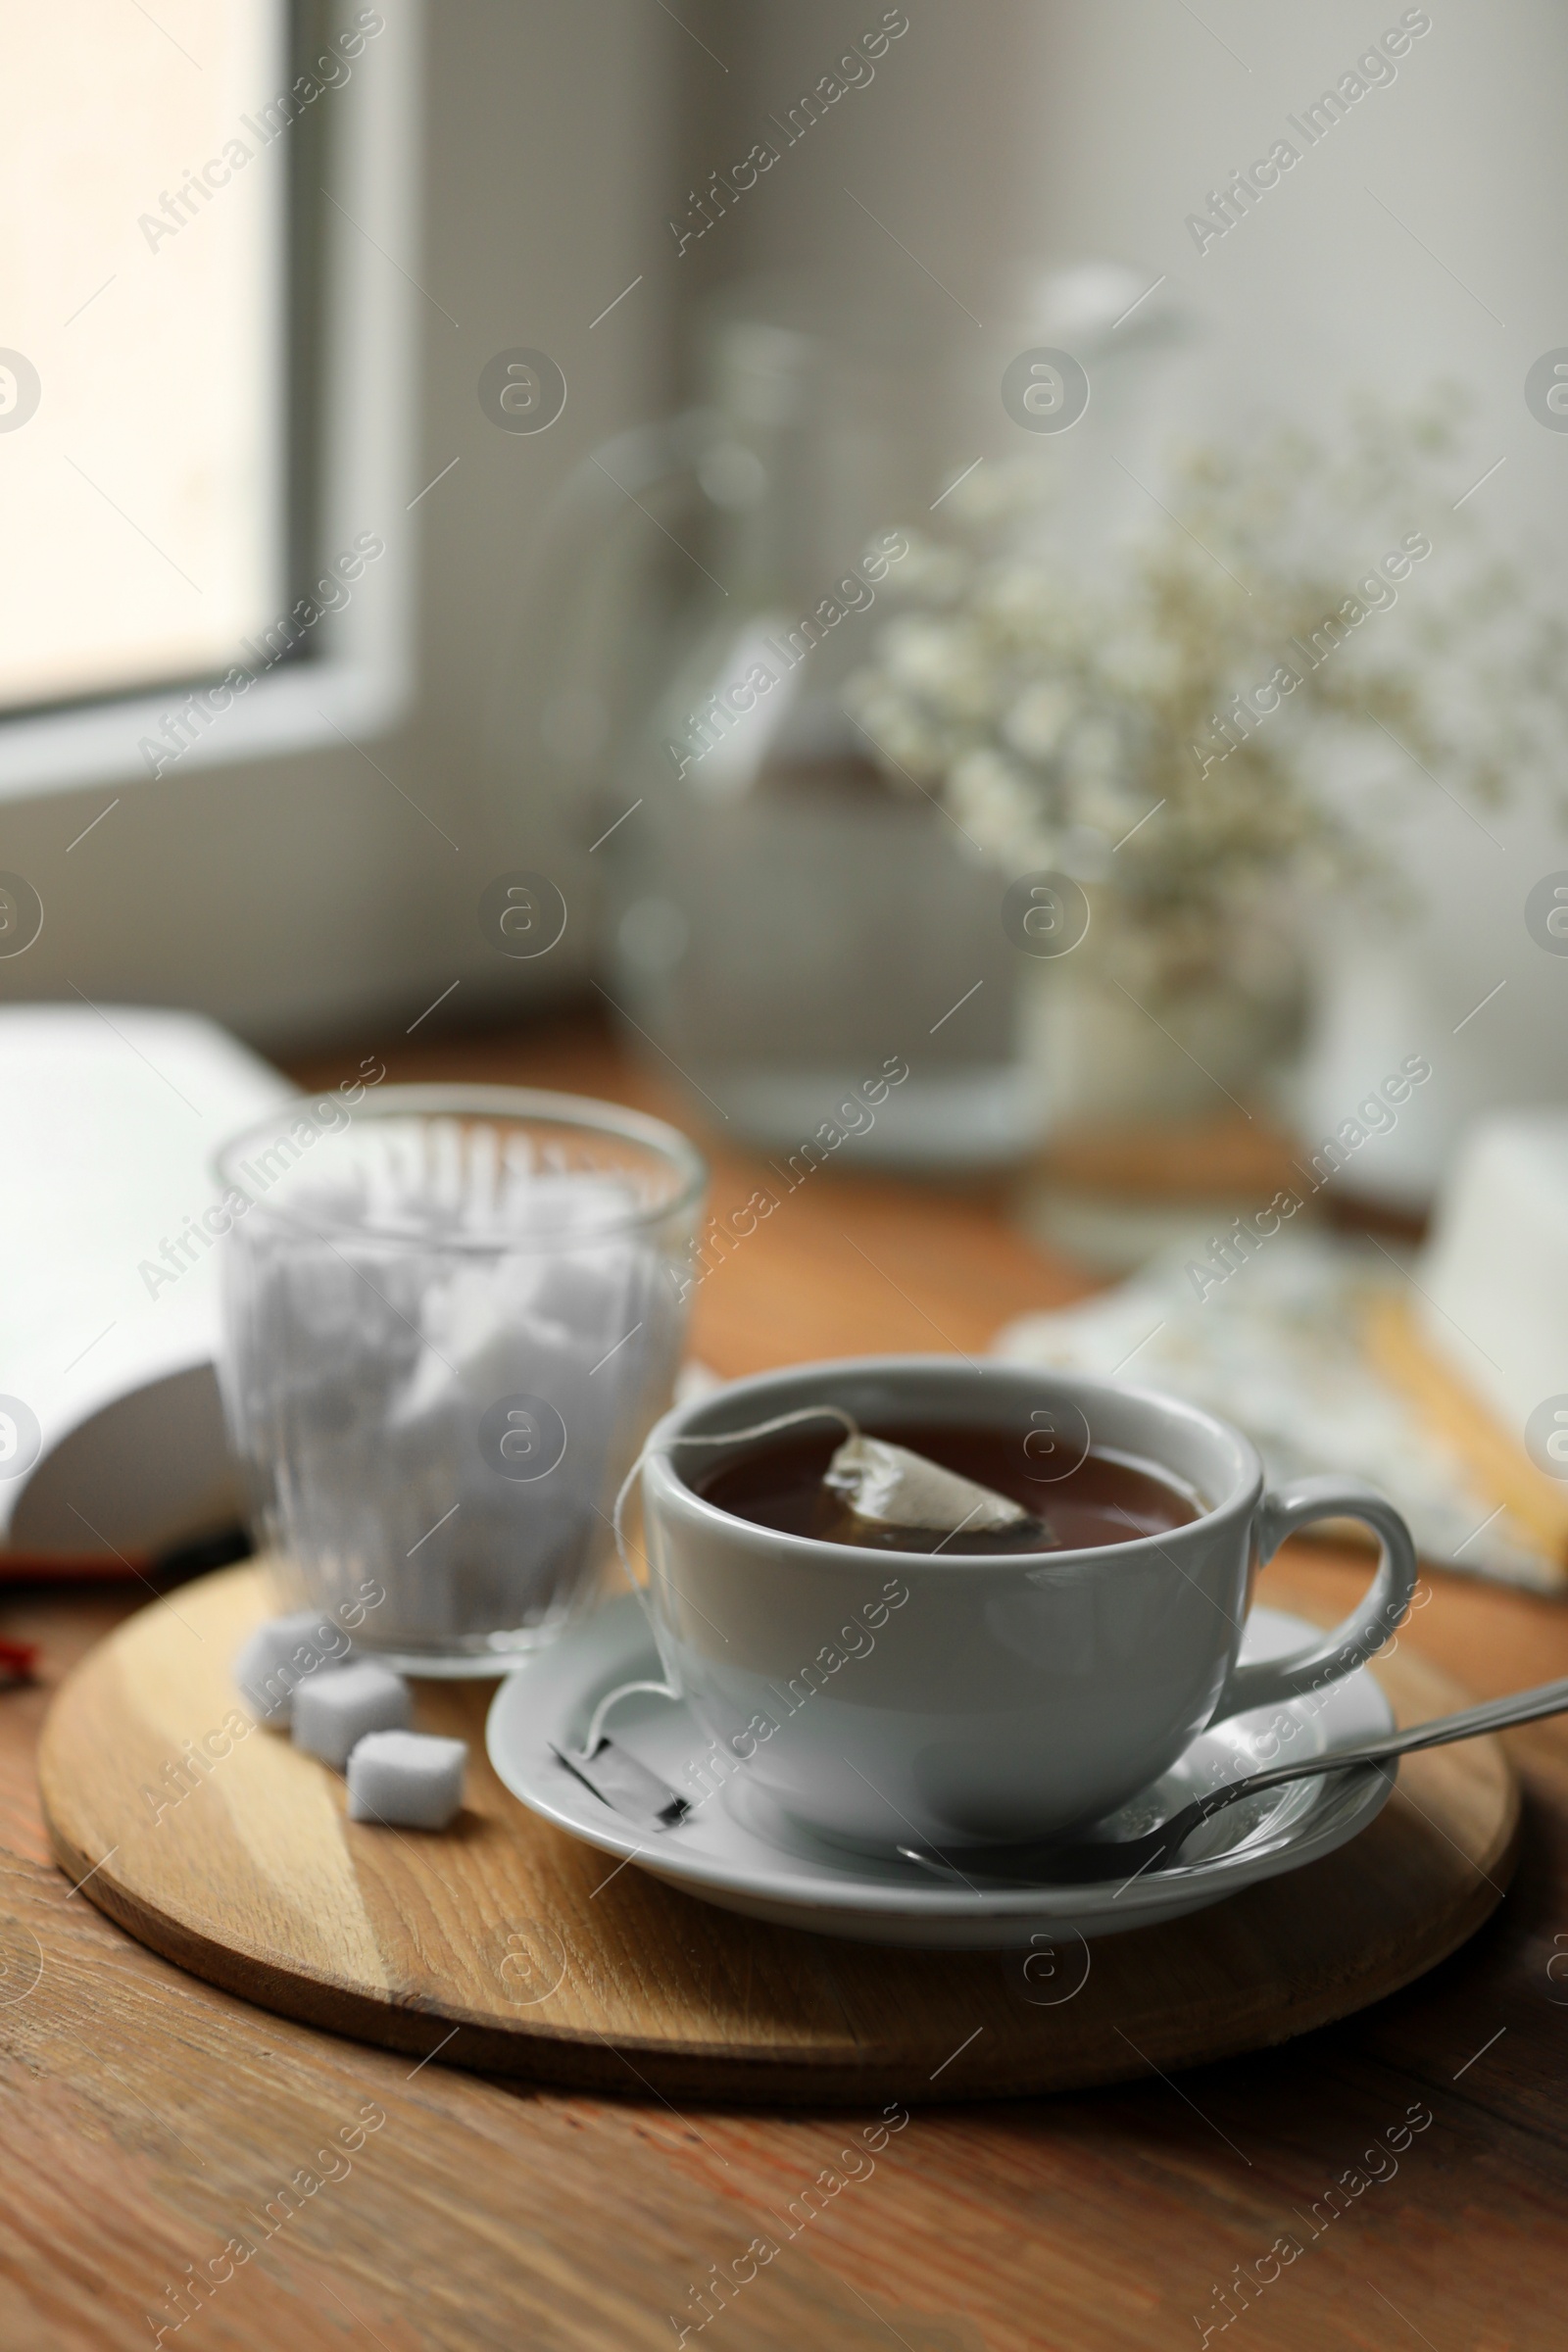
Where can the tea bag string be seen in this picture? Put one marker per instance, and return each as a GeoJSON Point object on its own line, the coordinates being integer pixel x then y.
{"type": "Point", "coordinates": [729, 1437]}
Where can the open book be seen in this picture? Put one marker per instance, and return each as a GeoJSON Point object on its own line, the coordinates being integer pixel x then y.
{"type": "Point", "coordinates": [112, 1441]}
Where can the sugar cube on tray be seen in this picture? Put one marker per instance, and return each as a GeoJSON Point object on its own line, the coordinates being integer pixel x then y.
{"type": "Point", "coordinates": [333, 1712]}
{"type": "Point", "coordinates": [407, 1780]}
{"type": "Point", "coordinates": [282, 1654]}
{"type": "Point", "coordinates": [353, 1717]}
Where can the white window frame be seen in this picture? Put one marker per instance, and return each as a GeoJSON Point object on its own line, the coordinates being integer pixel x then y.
{"type": "Point", "coordinates": [359, 678]}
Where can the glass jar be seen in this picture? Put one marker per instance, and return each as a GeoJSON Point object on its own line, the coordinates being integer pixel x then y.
{"type": "Point", "coordinates": [450, 1317]}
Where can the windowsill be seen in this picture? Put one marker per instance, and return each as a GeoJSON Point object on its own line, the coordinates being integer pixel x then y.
{"type": "Point", "coordinates": [301, 707]}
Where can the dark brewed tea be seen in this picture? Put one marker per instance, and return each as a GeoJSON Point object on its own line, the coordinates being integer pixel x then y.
{"type": "Point", "coordinates": [1105, 1498]}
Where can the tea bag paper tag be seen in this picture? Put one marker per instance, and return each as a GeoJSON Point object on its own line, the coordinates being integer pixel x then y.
{"type": "Point", "coordinates": [625, 1785]}
{"type": "Point", "coordinates": [898, 1489]}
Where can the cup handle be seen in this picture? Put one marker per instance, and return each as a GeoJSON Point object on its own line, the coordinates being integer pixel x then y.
{"type": "Point", "coordinates": [1364, 1632]}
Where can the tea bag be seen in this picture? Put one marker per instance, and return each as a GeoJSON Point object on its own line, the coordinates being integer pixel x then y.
{"type": "Point", "coordinates": [886, 1486]}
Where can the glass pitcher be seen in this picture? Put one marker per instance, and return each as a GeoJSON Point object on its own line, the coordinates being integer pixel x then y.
{"type": "Point", "coordinates": [783, 924]}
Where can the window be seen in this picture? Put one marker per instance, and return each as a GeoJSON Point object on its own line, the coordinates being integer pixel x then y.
{"type": "Point", "coordinates": [186, 173]}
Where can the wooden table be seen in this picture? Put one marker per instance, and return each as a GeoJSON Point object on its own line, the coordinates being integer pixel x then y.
{"type": "Point", "coordinates": [146, 2120]}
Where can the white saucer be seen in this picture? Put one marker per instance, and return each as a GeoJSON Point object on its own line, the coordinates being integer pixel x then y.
{"type": "Point", "coordinates": [742, 1856]}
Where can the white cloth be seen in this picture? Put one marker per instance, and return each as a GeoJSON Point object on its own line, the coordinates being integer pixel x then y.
{"type": "Point", "coordinates": [1276, 1349]}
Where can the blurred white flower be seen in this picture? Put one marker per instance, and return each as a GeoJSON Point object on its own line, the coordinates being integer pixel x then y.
{"type": "Point", "coordinates": [1112, 805]}
{"type": "Point", "coordinates": [1138, 663]}
{"type": "Point", "coordinates": [1055, 703]}
{"type": "Point", "coordinates": [992, 799]}
{"type": "Point", "coordinates": [1037, 721]}
{"type": "Point", "coordinates": [1095, 754]}
{"type": "Point", "coordinates": [1085, 853]}
{"type": "Point", "coordinates": [925, 655]}
{"type": "Point", "coordinates": [1029, 596]}
{"type": "Point", "coordinates": [896, 729]}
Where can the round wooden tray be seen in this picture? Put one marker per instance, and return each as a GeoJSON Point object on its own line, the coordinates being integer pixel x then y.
{"type": "Point", "coordinates": [507, 1946]}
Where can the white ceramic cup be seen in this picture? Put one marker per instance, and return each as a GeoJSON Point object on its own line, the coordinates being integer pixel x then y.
{"type": "Point", "coordinates": [886, 1699]}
